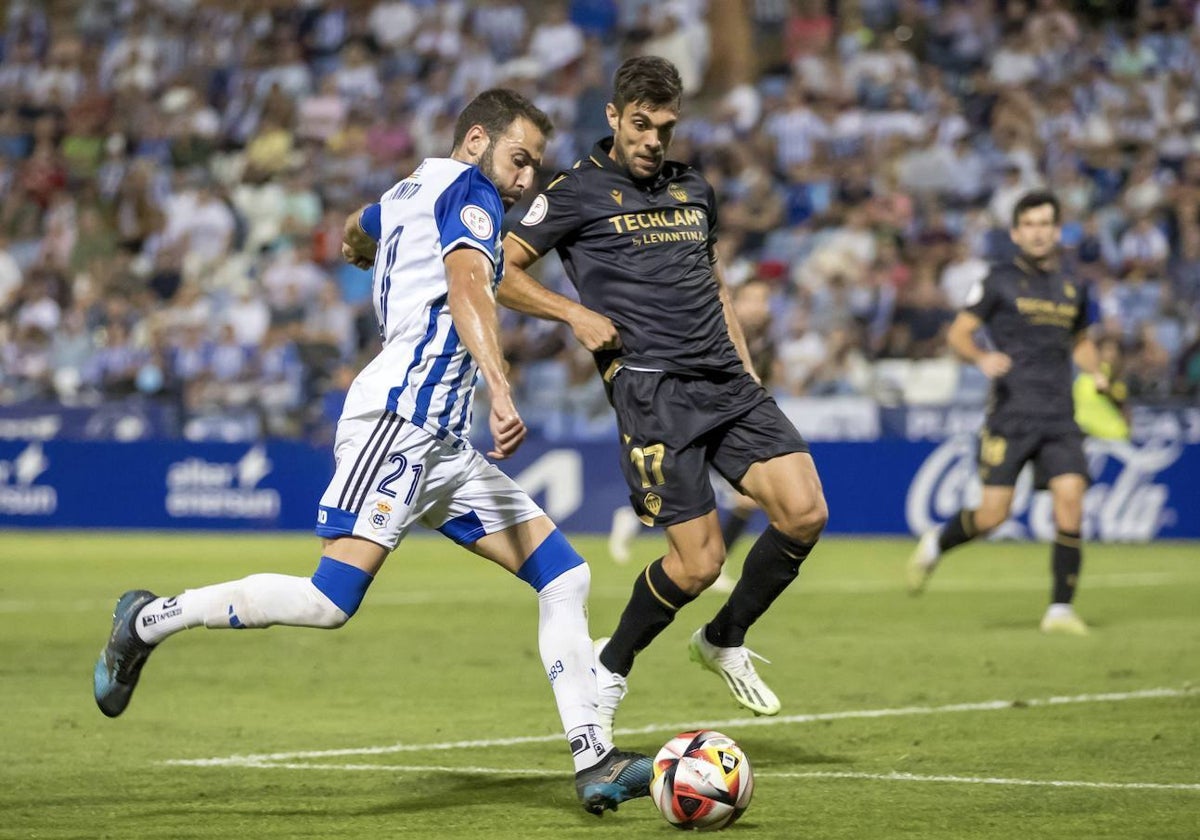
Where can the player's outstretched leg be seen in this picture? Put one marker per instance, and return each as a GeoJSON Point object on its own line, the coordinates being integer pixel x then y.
{"type": "Point", "coordinates": [620, 776]}
{"type": "Point", "coordinates": [142, 620]}
{"type": "Point", "coordinates": [733, 665]}
{"type": "Point", "coordinates": [964, 526]}
{"type": "Point", "coordinates": [720, 646]}
{"type": "Point", "coordinates": [604, 775]}
{"type": "Point", "coordinates": [789, 491]}
{"type": "Point", "coordinates": [120, 664]}
{"type": "Point", "coordinates": [1066, 560]}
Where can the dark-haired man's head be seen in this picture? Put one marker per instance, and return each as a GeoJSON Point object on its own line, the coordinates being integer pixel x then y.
{"type": "Point", "coordinates": [647, 93]}
{"type": "Point", "coordinates": [1035, 225]}
{"type": "Point", "coordinates": [505, 135]}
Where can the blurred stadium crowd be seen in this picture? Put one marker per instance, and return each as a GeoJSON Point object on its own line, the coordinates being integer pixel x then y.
{"type": "Point", "coordinates": [174, 173]}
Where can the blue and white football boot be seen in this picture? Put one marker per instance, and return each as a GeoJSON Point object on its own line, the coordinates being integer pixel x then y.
{"type": "Point", "coordinates": [120, 663]}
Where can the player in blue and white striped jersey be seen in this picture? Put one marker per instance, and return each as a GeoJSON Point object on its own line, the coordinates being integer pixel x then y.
{"type": "Point", "coordinates": [402, 451]}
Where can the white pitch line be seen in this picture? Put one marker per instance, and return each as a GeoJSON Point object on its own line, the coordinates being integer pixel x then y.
{"type": "Point", "coordinates": [759, 775]}
{"type": "Point", "coordinates": [905, 711]}
{"type": "Point", "coordinates": [977, 780]}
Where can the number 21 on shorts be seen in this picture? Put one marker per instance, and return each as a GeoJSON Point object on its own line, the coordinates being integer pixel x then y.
{"type": "Point", "coordinates": [401, 462]}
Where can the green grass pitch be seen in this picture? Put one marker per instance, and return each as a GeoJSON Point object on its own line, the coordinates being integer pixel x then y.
{"type": "Point", "coordinates": [903, 718]}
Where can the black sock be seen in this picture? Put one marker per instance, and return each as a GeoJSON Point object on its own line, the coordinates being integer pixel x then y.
{"type": "Point", "coordinates": [652, 606]}
{"type": "Point", "coordinates": [1065, 561]}
{"type": "Point", "coordinates": [773, 562]}
{"type": "Point", "coordinates": [959, 529]}
{"type": "Point", "coordinates": [733, 526]}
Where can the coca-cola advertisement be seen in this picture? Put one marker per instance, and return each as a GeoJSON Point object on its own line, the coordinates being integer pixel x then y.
{"type": "Point", "coordinates": [1138, 492]}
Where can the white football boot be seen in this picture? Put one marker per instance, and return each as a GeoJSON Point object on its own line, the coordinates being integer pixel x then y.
{"type": "Point", "coordinates": [734, 666]}
{"type": "Point", "coordinates": [923, 561]}
{"type": "Point", "coordinates": [1062, 619]}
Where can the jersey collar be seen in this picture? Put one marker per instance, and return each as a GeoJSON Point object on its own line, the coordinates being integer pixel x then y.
{"type": "Point", "coordinates": [1033, 270]}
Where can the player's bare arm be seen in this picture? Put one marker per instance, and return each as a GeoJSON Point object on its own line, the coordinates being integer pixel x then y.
{"type": "Point", "coordinates": [1087, 359]}
{"type": "Point", "coordinates": [358, 248]}
{"type": "Point", "coordinates": [519, 291]}
{"type": "Point", "coordinates": [731, 322]}
{"type": "Point", "coordinates": [473, 308]}
{"type": "Point", "coordinates": [961, 339]}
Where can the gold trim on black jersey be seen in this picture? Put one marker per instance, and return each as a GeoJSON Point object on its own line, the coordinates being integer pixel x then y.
{"type": "Point", "coordinates": [533, 251]}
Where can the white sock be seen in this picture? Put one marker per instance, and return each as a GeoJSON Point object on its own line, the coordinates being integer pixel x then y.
{"type": "Point", "coordinates": [1058, 610]}
{"type": "Point", "coordinates": [254, 601]}
{"type": "Point", "coordinates": [567, 656]}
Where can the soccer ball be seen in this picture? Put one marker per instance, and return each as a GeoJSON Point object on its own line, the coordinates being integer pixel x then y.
{"type": "Point", "coordinates": [701, 781]}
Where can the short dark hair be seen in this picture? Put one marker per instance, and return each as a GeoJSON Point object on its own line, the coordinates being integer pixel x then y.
{"type": "Point", "coordinates": [495, 110]}
{"type": "Point", "coordinates": [1037, 198]}
{"type": "Point", "coordinates": [649, 80]}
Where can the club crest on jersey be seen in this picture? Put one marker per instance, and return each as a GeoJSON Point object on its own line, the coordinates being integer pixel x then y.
{"type": "Point", "coordinates": [617, 197]}
{"type": "Point", "coordinates": [653, 503]}
{"type": "Point", "coordinates": [677, 192]}
{"type": "Point", "coordinates": [477, 221]}
{"type": "Point", "coordinates": [537, 211]}
{"type": "Point", "coordinates": [1069, 290]}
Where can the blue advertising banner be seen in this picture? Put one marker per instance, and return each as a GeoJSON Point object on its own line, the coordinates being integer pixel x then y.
{"type": "Point", "coordinates": [160, 484]}
{"type": "Point", "coordinates": [1140, 491]}
{"type": "Point", "coordinates": [124, 421]}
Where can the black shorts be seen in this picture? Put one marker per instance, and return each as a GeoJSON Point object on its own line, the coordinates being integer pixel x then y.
{"type": "Point", "coordinates": [1054, 452]}
{"type": "Point", "coordinates": [674, 428]}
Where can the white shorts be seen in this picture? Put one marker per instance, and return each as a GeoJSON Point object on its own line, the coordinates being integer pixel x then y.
{"type": "Point", "coordinates": [390, 474]}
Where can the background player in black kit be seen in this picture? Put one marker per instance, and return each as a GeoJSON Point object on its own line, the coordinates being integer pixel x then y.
{"type": "Point", "coordinates": [1037, 319]}
{"type": "Point", "coordinates": [636, 235]}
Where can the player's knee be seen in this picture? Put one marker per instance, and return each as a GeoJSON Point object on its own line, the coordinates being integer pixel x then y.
{"type": "Point", "coordinates": [265, 599]}
{"type": "Point", "coordinates": [804, 519]}
{"type": "Point", "coordinates": [1068, 515]}
{"type": "Point", "coordinates": [706, 576]}
{"type": "Point", "coordinates": [569, 586]}
{"type": "Point", "coordinates": [325, 615]}
{"type": "Point", "coordinates": [551, 562]}
{"type": "Point", "coordinates": [338, 590]}
{"type": "Point", "coordinates": [698, 568]}
{"type": "Point", "coordinates": [988, 519]}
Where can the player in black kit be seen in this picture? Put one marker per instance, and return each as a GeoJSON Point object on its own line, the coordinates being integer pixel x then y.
{"type": "Point", "coordinates": [1037, 318]}
{"type": "Point", "coordinates": [636, 234]}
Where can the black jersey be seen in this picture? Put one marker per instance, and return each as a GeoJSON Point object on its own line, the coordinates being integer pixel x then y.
{"type": "Point", "coordinates": [640, 252]}
{"type": "Point", "coordinates": [1034, 317]}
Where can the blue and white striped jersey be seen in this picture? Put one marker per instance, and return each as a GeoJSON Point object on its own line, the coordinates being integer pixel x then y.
{"type": "Point", "coordinates": [424, 372]}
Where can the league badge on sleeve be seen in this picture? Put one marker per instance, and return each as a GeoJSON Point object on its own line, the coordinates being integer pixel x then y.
{"type": "Point", "coordinates": [476, 220]}
{"type": "Point", "coordinates": [537, 211]}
